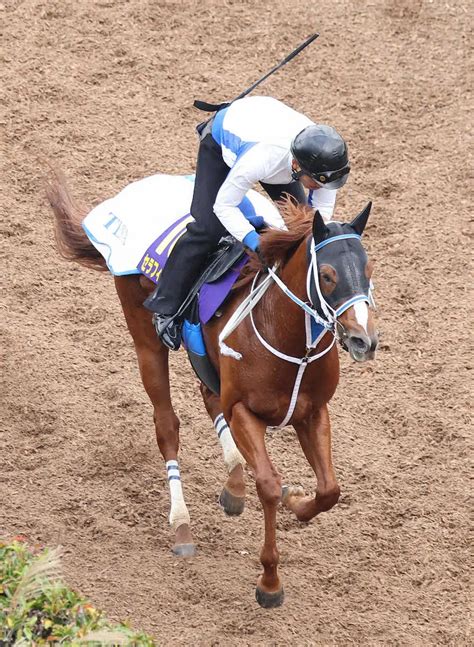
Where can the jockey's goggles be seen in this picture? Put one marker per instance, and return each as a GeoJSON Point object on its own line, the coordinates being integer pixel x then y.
{"type": "Point", "coordinates": [328, 179]}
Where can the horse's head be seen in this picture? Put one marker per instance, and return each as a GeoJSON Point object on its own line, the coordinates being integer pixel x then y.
{"type": "Point", "coordinates": [340, 282]}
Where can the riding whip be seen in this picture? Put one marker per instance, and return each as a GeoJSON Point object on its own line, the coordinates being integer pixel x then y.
{"type": "Point", "coordinates": [211, 107]}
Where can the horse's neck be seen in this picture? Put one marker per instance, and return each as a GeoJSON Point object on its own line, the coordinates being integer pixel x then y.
{"type": "Point", "coordinates": [280, 317]}
{"type": "Point", "coordinates": [294, 272]}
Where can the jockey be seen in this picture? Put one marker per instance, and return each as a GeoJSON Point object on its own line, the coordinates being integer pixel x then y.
{"type": "Point", "coordinates": [254, 139]}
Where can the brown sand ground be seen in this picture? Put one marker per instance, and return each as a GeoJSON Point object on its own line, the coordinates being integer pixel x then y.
{"type": "Point", "coordinates": [105, 90]}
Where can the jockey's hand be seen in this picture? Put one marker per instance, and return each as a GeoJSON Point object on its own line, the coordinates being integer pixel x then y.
{"type": "Point", "coordinates": [252, 243]}
{"type": "Point", "coordinates": [264, 263]}
{"type": "Point", "coordinates": [252, 240]}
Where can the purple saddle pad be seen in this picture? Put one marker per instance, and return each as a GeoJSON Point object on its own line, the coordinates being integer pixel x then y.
{"type": "Point", "coordinates": [212, 295]}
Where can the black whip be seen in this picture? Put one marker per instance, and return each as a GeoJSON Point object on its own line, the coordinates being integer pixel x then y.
{"type": "Point", "coordinates": [211, 107]}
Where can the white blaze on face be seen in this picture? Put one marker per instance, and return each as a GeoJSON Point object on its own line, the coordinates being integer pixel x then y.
{"type": "Point", "coordinates": [361, 311]}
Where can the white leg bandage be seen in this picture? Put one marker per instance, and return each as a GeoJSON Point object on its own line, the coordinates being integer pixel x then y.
{"type": "Point", "coordinates": [232, 456]}
{"type": "Point", "coordinates": [178, 511]}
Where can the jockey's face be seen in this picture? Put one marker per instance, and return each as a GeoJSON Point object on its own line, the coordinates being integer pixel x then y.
{"type": "Point", "coordinates": [306, 180]}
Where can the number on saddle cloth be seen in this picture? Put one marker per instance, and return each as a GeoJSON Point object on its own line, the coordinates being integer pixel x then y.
{"type": "Point", "coordinates": [157, 254]}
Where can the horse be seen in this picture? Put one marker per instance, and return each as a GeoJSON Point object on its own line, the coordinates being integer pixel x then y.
{"type": "Point", "coordinates": [274, 347]}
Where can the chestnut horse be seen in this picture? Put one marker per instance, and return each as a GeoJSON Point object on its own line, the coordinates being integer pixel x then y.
{"type": "Point", "coordinates": [275, 352]}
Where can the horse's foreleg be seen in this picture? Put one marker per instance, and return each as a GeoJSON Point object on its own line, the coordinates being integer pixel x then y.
{"type": "Point", "coordinates": [153, 364]}
{"type": "Point", "coordinates": [315, 440]}
{"type": "Point", "coordinates": [249, 434]}
{"type": "Point", "coordinates": [232, 497]}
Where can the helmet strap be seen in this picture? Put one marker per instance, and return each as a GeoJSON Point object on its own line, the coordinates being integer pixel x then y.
{"type": "Point", "coordinates": [296, 174]}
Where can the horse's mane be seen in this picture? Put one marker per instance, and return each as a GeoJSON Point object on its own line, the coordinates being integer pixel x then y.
{"type": "Point", "coordinates": [277, 245]}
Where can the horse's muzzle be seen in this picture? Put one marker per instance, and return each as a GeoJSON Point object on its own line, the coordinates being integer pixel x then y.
{"type": "Point", "coordinates": [361, 347]}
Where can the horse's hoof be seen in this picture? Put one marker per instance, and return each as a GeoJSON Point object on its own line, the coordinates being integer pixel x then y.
{"type": "Point", "coordinates": [232, 505]}
{"type": "Point", "coordinates": [288, 491]}
{"type": "Point", "coordinates": [184, 550]}
{"type": "Point", "coordinates": [269, 600]}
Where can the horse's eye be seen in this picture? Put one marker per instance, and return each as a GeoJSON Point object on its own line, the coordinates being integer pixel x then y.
{"type": "Point", "coordinates": [327, 278]}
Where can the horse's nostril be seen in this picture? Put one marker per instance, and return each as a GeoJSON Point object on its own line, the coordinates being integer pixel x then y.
{"type": "Point", "coordinates": [359, 344]}
{"type": "Point", "coordinates": [374, 344]}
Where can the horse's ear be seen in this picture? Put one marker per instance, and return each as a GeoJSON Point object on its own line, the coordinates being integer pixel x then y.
{"type": "Point", "coordinates": [359, 222]}
{"type": "Point", "coordinates": [320, 231]}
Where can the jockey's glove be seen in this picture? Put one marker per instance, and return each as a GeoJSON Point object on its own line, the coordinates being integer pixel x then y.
{"type": "Point", "coordinates": [252, 242]}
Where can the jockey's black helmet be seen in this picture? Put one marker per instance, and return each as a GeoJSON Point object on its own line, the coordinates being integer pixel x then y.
{"type": "Point", "coordinates": [322, 154]}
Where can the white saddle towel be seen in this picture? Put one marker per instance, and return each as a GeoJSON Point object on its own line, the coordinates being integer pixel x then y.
{"type": "Point", "coordinates": [124, 227]}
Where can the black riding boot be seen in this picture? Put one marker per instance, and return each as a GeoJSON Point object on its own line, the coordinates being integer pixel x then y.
{"type": "Point", "coordinates": [191, 251]}
{"type": "Point", "coordinates": [178, 276]}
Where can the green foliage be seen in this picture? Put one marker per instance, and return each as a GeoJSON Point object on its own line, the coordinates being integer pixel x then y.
{"type": "Point", "coordinates": [36, 608]}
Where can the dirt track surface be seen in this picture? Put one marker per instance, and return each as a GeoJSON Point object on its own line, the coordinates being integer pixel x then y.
{"type": "Point", "coordinates": [105, 90]}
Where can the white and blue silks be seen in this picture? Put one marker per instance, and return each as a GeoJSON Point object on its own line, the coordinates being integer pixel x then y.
{"type": "Point", "coordinates": [255, 134]}
{"type": "Point", "coordinates": [124, 227]}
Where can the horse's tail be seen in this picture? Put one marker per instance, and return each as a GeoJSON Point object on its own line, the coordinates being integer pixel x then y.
{"type": "Point", "coordinates": [71, 240]}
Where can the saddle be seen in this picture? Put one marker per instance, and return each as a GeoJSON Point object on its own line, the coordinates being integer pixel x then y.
{"type": "Point", "coordinates": [205, 297]}
{"type": "Point", "coordinates": [228, 253]}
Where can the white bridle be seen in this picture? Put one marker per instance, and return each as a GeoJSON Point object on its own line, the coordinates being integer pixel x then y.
{"type": "Point", "coordinates": [328, 322]}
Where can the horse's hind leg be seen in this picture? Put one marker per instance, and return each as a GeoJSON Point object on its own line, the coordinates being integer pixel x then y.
{"type": "Point", "coordinates": [153, 363]}
{"type": "Point", "coordinates": [315, 439]}
{"type": "Point", "coordinates": [232, 497]}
